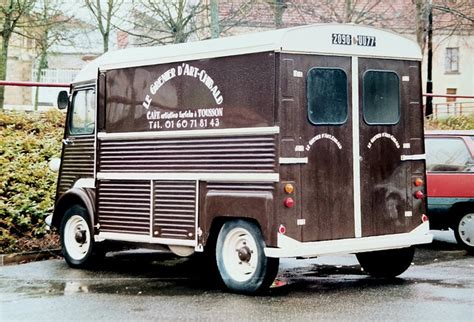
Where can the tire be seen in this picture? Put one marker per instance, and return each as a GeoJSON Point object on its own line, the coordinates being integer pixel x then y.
{"type": "Point", "coordinates": [464, 231]}
{"type": "Point", "coordinates": [386, 263]}
{"type": "Point", "coordinates": [241, 261]}
{"type": "Point", "coordinates": [77, 242]}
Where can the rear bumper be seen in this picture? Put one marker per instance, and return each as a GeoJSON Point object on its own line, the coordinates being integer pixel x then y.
{"type": "Point", "coordinates": [288, 247]}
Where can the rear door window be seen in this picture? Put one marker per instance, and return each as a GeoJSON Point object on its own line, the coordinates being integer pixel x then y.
{"type": "Point", "coordinates": [381, 97]}
{"type": "Point", "coordinates": [327, 96]}
{"type": "Point", "coordinates": [447, 155]}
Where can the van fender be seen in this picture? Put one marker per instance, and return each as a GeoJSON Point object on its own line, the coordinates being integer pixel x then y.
{"type": "Point", "coordinates": [220, 206]}
{"type": "Point", "coordinates": [82, 196]}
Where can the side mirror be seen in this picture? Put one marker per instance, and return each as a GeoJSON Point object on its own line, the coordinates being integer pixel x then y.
{"type": "Point", "coordinates": [63, 100]}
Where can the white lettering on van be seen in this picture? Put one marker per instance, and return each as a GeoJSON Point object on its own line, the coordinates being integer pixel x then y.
{"type": "Point", "coordinates": [184, 70]}
{"type": "Point", "coordinates": [383, 135]}
{"type": "Point", "coordinates": [323, 136]}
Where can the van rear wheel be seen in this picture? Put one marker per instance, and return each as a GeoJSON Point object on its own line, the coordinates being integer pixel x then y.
{"type": "Point", "coordinates": [241, 261]}
{"type": "Point", "coordinates": [386, 263]}
{"type": "Point", "coordinates": [77, 240]}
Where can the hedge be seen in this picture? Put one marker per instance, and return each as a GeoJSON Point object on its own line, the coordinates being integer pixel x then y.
{"type": "Point", "coordinates": [27, 186]}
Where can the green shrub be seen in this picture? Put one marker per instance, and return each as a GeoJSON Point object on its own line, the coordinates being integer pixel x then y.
{"type": "Point", "coordinates": [27, 186]}
{"type": "Point", "coordinates": [461, 122]}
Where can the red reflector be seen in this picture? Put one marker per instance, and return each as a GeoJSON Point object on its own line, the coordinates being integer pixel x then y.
{"type": "Point", "coordinates": [424, 218]}
{"type": "Point", "coordinates": [289, 202]}
{"type": "Point", "coordinates": [419, 195]}
{"type": "Point", "coordinates": [282, 229]}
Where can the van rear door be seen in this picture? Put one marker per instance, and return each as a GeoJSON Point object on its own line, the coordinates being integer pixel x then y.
{"type": "Point", "coordinates": [384, 132]}
{"type": "Point", "coordinates": [326, 133]}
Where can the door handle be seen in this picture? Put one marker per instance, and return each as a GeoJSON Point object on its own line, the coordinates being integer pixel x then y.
{"type": "Point", "coordinates": [68, 141]}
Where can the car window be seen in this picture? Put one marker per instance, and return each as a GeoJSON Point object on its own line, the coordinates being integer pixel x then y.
{"type": "Point", "coordinates": [83, 112]}
{"type": "Point", "coordinates": [448, 155]}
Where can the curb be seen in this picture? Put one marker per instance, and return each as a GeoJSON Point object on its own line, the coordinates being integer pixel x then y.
{"type": "Point", "coordinates": [18, 258]}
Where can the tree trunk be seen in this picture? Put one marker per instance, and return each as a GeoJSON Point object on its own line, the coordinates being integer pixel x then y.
{"type": "Point", "coordinates": [105, 39]}
{"type": "Point", "coordinates": [420, 23]}
{"type": "Point", "coordinates": [3, 67]}
{"type": "Point", "coordinates": [279, 10]}
{"type": "Point", "coordinates": [215, 28]}
{"type": "Point", "coordinates": [42, 65]}
{"type": "Point", "coordinates": [348, 11]}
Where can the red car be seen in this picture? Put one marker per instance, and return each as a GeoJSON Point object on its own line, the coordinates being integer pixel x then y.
{"type": "Point", "coordinates": [450, 183]}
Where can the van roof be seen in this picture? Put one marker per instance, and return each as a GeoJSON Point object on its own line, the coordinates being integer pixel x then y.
{"type": "Point", "coordinates": [309, 39]}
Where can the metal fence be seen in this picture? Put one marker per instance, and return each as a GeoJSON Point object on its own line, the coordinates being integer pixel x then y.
{"type": "Point", "coordinates": [444, 110]}
{"type": "Point", "coordinates": [48, 96]}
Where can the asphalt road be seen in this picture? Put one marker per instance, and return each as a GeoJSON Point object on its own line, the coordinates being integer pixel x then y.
{"type": "Point", "coordinates": [153, 286]}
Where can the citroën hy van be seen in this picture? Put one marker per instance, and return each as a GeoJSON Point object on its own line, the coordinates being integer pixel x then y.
{"type": "Point", "coordinates": [296, 142]}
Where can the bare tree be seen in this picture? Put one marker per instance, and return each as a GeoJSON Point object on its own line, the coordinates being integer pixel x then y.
{"type": "Point", "coordinates": [11, 14]}
{"type": "Point", "coordinates": [162, 22]}
{"type": "Point", "coordinates": [103, 16]}
{"type": "Point", "coordinates": [48, 27]}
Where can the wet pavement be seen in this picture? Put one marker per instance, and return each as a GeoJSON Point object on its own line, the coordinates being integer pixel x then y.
{"type": "Point", "coordinates": [148, 285]}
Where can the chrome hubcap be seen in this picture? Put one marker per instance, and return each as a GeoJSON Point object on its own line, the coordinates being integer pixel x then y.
{"type": "Point", "coordinates": [466, 229]}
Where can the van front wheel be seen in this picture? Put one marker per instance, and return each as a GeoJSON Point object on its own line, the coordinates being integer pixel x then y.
{"type": "Point", "coordinates": [77, 239]}
{"type": "Point", "coordinates": [241, 260]}
{"type": "Point", "coordinates": [386, 263]}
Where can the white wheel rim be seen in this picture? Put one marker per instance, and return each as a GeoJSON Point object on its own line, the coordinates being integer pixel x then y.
{"type": "Point", "coordinates": [466, 229]}
{"type": "Point", "coordinates": [240, 254]}
{"type": "Point", "coordinates": [75, 248]}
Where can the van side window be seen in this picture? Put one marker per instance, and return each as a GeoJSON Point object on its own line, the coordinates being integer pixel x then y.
{"type": "Point", "coordinates": [83, 112]}
{"type": "Point", "coordinates": [327, 96]}
{"type": "Point", "coordinates": [381, 97]}
{"type": "Point", "coordinates": [447, 155]}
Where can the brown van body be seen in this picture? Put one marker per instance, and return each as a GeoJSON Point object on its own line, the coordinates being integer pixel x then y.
{"type": "Point", "coordinates": [185, 145]}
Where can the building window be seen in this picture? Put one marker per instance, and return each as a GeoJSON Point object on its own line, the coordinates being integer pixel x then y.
{"type": "Point", "coordinates": [327, 96]}
{"type": "Point", "coordinates": [452, 60]}
{"type": "Point", "coordinates": [381, 97]}
{"type": "Point", "coordinates": [451, 91]}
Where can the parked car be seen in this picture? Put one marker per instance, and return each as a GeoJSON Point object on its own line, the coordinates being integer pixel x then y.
{"type": "Point", "coordinates": [450, 183]}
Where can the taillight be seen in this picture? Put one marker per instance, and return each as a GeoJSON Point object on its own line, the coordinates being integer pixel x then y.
{"type": "Point", "coordinates": [289, 188]}
{"type": "Point", "coordinates": [289, 202]}
{"type": "Point", "coordinates": [424, 218]}
{"type": "Point", "coordinates": [418, 182]}
{"type": "Point", "coordinates": [419, 195]}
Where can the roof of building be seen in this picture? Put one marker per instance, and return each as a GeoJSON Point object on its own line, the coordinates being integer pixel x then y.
{"type": "Point", "coordinates": [324, 39]}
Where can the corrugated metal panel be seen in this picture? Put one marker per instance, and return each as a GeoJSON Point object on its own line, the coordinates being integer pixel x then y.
{"type": "Point", "coordinates": [124, 206]}
{"type": "Point", "coordinates": [77, 162]}
{"type": "Point", "coordinates": [174, 209]}
{"type": "Point", "coordinates": [224, 154]}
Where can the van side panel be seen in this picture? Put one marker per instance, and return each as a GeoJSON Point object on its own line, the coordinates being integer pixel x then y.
{"type": "Point", "coordinates": [167, 165]}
